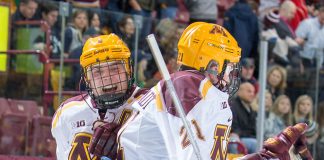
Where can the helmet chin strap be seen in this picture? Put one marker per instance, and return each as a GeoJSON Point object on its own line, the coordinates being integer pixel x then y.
{"type": "Point", "coordinates": [105, 102]}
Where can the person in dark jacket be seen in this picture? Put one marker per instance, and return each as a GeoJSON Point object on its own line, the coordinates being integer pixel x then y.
{"type": "Point", "coordinates": [244, 117]}
{"type": "Point", "coordinates": [242, 23]}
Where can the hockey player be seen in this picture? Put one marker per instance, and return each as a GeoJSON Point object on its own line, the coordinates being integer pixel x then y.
{"type": "Point", "coordinates": [108, 75]}
{"type": "Point", "coordinates": [208, 77]}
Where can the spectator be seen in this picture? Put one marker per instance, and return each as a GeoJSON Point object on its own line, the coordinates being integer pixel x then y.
{"type": "Point", "coordinates": [300, 15]}
{"type": "Point", "coordinates": [27, 68]}
{"type": "Point", "coordinates": [94, 21]}
{"type": "Point", "coordinates": [268, 120]}
{"type": "Point", "coordinates": [167, 9]}
{"type": "Point", "coordinates": [283, 51]}
{"type": "Point", "coordinates": [49, 14]}
{"type": "Point", "coordinates": [287, 11]}
{"type": "Point", "coordinates": [126, 31]}
{"type": "Point", "coordinates": [268, 102]}
{"type": "Point", "coordinates": [280, 117]}
{"type": "Point", "coordinates": [144, 9]}
{"type": "Point", "coordinates": [26, 11]}
{"type": "Point", "coordinates": [242, 23]}
{"type": "Point", "coordinates": [143, 59]}
{"type": "Point", "coordinates": [244, 117]}
{"type": "Point", "coordinates": [309, 35]}
{"type": "Point", "coordinates": [303, 113]}
{"type": "Point", "coordinates": [73, 82]}
{"type": "Point", "coordinates": [172, 66]}
{"type": "Point", "coordinates": [248, 72]}
{"type": "Point", "coordinates": [277, 48]}
{"type": "Point", "coordinates": [312, 8]}
{"type": "Point", "coordinates": [73, 34]}
{"type": "Point", "coordinates": [276, 81]}
{"type": "Point", "coordinates": [205, 11]}
{"type": "Point", "coordinates": [168, 35]}
{"type": "Point", "coordinates": [303, 110]}
{"type": "Point", "coordinates": [113, 13]}
{"type": "Point", "coordinates": [308, 31]}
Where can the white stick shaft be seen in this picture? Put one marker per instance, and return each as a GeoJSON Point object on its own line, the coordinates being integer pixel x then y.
{"type": "Point", "coordinates": [166, 76]}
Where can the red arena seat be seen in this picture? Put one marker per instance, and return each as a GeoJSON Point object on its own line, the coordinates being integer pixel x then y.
{"type": "Point", "coordinates": [4, 107]}
{"type": "Point", "coordinates": [13, 134]}
{"type": "Point", "coordinates": [43, 144]}
{"type": "Point", "coordinates": [27, 107]}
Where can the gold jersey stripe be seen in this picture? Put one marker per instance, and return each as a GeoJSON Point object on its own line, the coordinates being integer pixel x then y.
{"type": "Point", "coordinates": [158, 99]}
{"type": "Point", "coordinates": [205, 89]}
{"type": "Point", "coordinates": [62, 109]}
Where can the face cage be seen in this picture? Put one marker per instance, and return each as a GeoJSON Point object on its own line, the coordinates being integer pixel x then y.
{"type": "Point", "coordinates": [235, 82]}
{"type": "Point", "coordinates": [113, 95]}
{"type": "Point", "coordinates": [232, 86]}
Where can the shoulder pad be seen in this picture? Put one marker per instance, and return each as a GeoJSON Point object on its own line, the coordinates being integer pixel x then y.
{"type": "Point", "coordinates": [186, 84]}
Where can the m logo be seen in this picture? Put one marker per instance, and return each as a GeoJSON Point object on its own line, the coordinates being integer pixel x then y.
{"type": "Point", "coordinates": [219, 151]}
{"type": "Point", "coordinates": [219, 30]}
{"type": "Point", "coordinates": [80, 147]}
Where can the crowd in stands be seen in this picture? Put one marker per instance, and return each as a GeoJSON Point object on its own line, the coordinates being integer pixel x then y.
{"type": "Point", "coordinates": [293, 29]}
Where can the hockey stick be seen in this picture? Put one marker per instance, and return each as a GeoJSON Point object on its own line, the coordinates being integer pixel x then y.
{"type": "Point", "coordinates": [166, 76]}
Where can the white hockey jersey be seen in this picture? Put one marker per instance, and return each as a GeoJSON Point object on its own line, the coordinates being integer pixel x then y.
{"type": "Point", "coordinates": [157, 132]}
{"type": "Point", "coordinates": [72, 126]}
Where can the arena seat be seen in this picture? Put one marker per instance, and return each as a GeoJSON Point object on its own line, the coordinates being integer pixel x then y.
{"type": "Point", "coordinates": [27, 107]}
{"type": "Point", "coordinates": [43, 144]}
{"type": "Point", "coordinates": [13, 134]}
{"type": "Point", "coordinates": [4, 107]}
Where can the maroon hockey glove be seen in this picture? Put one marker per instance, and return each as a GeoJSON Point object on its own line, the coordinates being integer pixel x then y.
{"type": "Point", "coordinates": [104, 140]}
{"type": "Point", "coordinates": [279, 146]}
{"type": "Point", "coordinates": [301, 148]}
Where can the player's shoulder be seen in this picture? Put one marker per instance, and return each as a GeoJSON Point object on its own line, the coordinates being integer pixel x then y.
{"type": "Point", "coordinates": [187, 77]}
{"type": "Point", "coordinates": [186, 84]}
{"type": "Point", "coordinates": [71, 104]}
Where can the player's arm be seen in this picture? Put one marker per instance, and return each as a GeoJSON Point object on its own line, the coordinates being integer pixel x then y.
{"type": "Point", "coordinates": [104, 139]}
{"type": "Point", "coordinates": [278, 147]}
{"type": "Point", "coordinates": [59, 133]}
